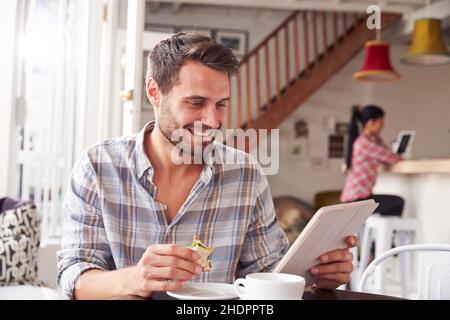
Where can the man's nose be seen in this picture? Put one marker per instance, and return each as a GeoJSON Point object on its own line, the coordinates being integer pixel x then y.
{"type": "Point", "coordinates": [211, 117]}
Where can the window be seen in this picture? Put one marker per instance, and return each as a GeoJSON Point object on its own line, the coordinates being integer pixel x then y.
{"type": "Point", "coordinates": [67, 78]}
{"type": "Point", "coordinates": [60, 110]}
{"type": "Point", "coordinates": [50, 101]}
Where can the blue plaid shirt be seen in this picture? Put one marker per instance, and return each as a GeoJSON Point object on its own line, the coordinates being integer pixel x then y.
{"type": "Point", "coordinates": [112, 215]}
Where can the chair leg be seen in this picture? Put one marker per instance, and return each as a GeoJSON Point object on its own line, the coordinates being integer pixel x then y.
{"type": "Point", "coordinates": [405, 238]}
{"type": "Point", "coordinates": [383, 243]}
{"type": "Point", "coordinates": [400, 235]}
{"type": "Point", "coordinates": [365, 251]}
{"type": "Point", "coordinates": [354, 276]}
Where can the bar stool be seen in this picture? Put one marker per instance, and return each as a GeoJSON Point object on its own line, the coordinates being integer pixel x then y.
{"type": "Point", "coordinates": [382, 230]}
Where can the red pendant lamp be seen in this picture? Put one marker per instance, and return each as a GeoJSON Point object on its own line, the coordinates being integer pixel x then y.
{"type": "Point", "coordinates": [377, 66]}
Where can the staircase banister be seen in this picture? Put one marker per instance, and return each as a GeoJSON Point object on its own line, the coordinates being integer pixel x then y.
{"type": "Point", "coordinates": [296, 93]}
{"type": "Point", "coordinates": [270, 36]}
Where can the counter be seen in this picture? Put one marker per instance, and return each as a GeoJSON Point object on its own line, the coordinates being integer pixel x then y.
{"type": "Point", "coordinates": [420, 166]}
{"type": "Point", "coordinates": [425, 186]}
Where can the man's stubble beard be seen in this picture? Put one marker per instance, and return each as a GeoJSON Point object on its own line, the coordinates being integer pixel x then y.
{"type": "Point", "coordinates": [168, 125]}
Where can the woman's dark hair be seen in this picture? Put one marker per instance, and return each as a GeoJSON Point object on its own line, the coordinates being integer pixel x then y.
{"type": "Point", "coordinates": [369, 112]}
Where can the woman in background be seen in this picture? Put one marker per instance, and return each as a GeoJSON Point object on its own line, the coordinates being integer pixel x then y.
{"type": "Point", "coordinates": [365, 152]}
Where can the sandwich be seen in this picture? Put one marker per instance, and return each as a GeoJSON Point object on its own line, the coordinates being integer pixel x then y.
{"type": "Point", "coordinates": [204, 251]}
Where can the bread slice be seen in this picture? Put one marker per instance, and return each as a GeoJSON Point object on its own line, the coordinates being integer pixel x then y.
{"type": "Point", "coordinates": [204, 251]}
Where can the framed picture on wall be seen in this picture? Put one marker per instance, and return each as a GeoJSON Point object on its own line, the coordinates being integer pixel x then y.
{"type": "Point", "coordinates": [335, 146]}
{"type": "Point", "coordinates": [342, 128]}
{"type": "Point", "coordinates": [235, 40]}
{"type": "Point", "coordinates": [298, 149]}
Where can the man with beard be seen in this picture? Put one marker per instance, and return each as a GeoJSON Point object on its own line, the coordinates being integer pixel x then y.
{"type": "Point", "coordinates": [133, 207]}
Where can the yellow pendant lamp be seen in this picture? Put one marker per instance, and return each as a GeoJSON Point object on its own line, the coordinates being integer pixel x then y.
{"type": "Point", "coordinates": [428, 47]}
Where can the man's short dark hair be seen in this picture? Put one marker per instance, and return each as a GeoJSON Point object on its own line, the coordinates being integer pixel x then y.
{"type": "Point", "coordinates": [167, 57]}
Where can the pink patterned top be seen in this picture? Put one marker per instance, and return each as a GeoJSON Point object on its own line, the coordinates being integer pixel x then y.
{"type": "Point", "coordinates": [368, 153]}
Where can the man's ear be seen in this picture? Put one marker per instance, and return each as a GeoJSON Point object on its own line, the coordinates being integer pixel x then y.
{"type": "Point", "coordinates": [153, 93]}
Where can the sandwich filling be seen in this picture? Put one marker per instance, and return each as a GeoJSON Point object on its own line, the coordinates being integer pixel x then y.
{"type": "Point", "coordinates": [204, 251]}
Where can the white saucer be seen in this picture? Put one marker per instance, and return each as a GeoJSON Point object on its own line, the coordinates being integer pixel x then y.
{"type": "Point", "coordinates": [205, 291]}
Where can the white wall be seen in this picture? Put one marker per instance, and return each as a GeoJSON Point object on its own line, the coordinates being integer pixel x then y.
{"type": "Point", "coordinates": [420, 100]}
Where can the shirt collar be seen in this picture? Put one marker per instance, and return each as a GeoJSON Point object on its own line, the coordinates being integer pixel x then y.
{"type": "Point", "coordinates": [142, 162]}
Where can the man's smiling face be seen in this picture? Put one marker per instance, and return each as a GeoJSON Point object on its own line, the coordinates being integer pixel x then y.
{"type": "Point", "coordinates": [200, 96]}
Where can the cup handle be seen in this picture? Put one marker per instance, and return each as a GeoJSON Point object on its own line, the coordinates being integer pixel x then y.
{"type": "Point", "coordinates": [238, 288]}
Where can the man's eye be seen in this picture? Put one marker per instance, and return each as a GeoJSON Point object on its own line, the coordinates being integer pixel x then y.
{"type": "Point", "coordinates": [197, 103]}
{"type": "Point", "coordinates": [220, 105]}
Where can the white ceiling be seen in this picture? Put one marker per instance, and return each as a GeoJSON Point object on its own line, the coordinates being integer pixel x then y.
{"type": "Point", "coordinates": [398, 6]}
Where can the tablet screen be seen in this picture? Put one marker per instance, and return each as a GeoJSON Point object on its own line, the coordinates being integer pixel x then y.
{"type": "Point", "coordinates": [403, 143]}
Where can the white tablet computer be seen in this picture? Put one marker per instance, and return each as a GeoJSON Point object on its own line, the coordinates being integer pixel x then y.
{"type": "Point", "coordinates": [404, 142]}
{"type": "Point", "coordinates": [326, 231]}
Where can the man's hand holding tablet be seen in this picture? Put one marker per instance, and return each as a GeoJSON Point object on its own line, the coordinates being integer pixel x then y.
{"type": "Point", "coordinates": [321, 253]}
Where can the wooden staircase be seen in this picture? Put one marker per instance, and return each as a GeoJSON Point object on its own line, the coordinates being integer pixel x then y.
{"type": "Point", "coordinates": [293, 62]}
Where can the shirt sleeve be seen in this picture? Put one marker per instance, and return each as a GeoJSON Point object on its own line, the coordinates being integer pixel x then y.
{"type": "Point", "coordinates": [380, 141]}
{"type": "Point", "coordinates": [372, 149]}
{"type": "Point", "coordinates": [84, 241]}
{"type": "Point", "coordinates": [265, 242]}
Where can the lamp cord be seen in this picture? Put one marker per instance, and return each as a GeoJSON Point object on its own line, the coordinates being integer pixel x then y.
{"type": "Point", "coordinates": [378, 31]}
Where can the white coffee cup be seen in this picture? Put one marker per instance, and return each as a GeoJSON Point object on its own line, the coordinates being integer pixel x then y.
{"type": "Point", "coordinates": [270, 286]}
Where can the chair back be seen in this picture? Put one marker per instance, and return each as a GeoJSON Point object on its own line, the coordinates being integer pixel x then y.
{"type": "Point", "coordinates": [326, 198]}
{"type": "Point", "coordinates": [434, 276]}
{"type": "Point", "coordinates": [434, 269]}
